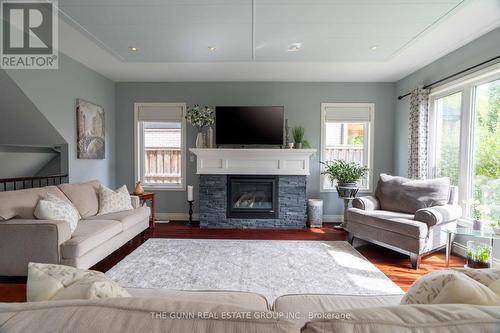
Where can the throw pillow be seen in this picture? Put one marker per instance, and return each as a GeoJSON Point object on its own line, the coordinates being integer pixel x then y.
{"type": "Point", "coordinates": [449, 287]}
{"type": "Point", "coordinates": [114, 201]}
{"type": "Point", "coordinates": [58, 282]}
{"type": "Point", "coordinates": [405, 195]}
{"type": "Point", "coordinates": [50, 207]}
{"type": "Point", "coordinates": [485, 276]}
{"type": "Point", "coordinates": [464, 290]}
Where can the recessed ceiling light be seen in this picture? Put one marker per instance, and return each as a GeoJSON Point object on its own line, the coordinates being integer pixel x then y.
{"type": "Point", "coordinates": [294, 47]}
{"type": "Point", "coordinates": [374, 47]}
{"type": "Point", "coordinates": [133, 49]}
{"type": "Point", "coordinates": [212, 48]}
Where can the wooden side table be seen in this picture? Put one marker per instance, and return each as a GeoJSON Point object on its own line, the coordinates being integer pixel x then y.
{"type": "Point", "coordinates": [145, 197]}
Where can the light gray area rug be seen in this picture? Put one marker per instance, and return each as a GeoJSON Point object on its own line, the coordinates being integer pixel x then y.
{"type": "Point", "coordinates": [268, 267]}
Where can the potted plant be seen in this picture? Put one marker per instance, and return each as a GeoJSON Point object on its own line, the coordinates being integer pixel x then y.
{"type": "Point", "coordinates": [347, 174]}
{"type": "Point", "coordinates": [478, 212]}
{"type": "Point", "coordinates": [200, 118]}
{"type": "Point", "coordinates": [298, 133]}
{"type": "Point", "coordinates": [478, 255]}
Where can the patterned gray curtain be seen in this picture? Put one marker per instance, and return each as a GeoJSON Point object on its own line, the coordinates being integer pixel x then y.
{"type": "Point", "coordinates": [418, 134]}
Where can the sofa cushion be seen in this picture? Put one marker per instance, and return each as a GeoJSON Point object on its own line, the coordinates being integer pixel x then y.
{"type": "Point", "coordinates": [311, 307]}
{"type": "Point", "coordinates": [438, 318]}
{"type": "Point", "coordinates": [88, 235]}
{"type": "Point", "coordinates": [329, 303]}
{"type": "Point", "coordinates": [130, 314]}
{"type": "Point", "coordinates": [247, 300]}
{"type": "Point", "coordinates": [401, 194]}
{"type": "Point", "coordinates": [395, 222]}
{"type": "Point", "coordinates": [84, 196]}
{"type": "Point", "coordinates": [128, 218]}
{"type": "Point", "coordinates": [22, 203]}
{"type": "Point", "coordinates": [58, 282]}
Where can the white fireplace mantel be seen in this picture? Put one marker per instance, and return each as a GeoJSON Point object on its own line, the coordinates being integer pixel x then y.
{"type": "Point", "coordinates": [228, 161]}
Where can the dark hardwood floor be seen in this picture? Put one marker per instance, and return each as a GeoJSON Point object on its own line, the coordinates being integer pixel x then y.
{"type": "Point", "coordinates": [395, 265]}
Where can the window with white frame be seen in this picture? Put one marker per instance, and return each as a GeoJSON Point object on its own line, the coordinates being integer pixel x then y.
{"type": "Point", "coordinates": [347, 134]}
{"type": "Point", "coordinates": [465, 139]}
{"type": "Point", "coordinates": [160, 145]}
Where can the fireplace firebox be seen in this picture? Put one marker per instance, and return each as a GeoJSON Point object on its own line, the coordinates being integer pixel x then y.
{"type": "Point", "coordinates": [252, 197]}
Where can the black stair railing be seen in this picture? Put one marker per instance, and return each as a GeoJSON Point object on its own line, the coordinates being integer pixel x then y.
{"type": "Point", "coordinates": [21, 183]}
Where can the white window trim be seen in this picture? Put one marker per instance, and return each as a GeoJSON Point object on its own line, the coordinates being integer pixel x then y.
{"type": "Point", "coordinates": [465, 85]}
{"type": "Point", "coordinates": [371, 143]}
{"type": "Point", "coordinates": [137, 148]}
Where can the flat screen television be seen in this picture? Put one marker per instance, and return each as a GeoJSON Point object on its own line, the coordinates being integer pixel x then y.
{"type": "Point", "coordinates": [249, 125]}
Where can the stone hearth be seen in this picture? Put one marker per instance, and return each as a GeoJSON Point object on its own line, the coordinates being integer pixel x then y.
{"type": "Point", "coordinates": [213, 204]}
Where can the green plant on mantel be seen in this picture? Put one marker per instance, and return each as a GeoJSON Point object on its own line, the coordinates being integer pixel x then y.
{"type": "Point", "coordinates": [344, 172]}
{"type": "Point", "coordinates": [298, 134]}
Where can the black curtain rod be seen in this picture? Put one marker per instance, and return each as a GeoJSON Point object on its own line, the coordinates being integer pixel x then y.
{"type": "Point", "coordinates": [453, 75]}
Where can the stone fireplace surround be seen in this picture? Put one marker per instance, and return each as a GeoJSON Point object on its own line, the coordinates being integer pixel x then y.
{"type": "Point", "coordinates": [291, 166]}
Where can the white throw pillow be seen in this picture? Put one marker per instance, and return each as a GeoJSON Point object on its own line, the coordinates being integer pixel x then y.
{"type": "Point", "coordinates": [50, 207]}
{"type": "Point", "coordinates": [450, 287]}
{"type": "Point", "coordinates": [114, 201]}
{"type": "Point", "coordinates": [58, 282]}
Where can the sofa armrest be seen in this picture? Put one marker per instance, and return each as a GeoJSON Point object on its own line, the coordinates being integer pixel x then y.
{"type": "Point", "coordinates": [366, 203]}
{"type": "Point", "coordinates": [438, 214]}
{"type": "Point", "coordinates": [136, 202]}
{"type": "Point", "coordinates": [23, 241]}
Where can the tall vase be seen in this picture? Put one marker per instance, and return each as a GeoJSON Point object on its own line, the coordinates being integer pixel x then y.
{"type": "Point", "coordinates": [210, 138]}
{"type": "Point", "coordinates": [200, 140]}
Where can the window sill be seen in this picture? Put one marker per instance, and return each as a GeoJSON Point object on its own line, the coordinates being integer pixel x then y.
{"type": "Point", "coordinates": [330, 190]}
{"type": "Point", "coordinates": [164, 188]}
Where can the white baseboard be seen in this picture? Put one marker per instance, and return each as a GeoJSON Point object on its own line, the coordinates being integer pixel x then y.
{"type": "Point", "coordinates": [333, 218]}
{"type": "Point", "coordinates": [461, 250]}
{"type": "Point", "coordinates": [196, 217]}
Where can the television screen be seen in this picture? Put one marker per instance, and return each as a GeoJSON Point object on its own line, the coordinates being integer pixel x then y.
{"type": "Point", "coordinates": [249, 125]}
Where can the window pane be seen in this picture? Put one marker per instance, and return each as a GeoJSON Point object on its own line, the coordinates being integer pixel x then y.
{"type": "Point", "coordinates": [355, 134]}
{"type": "Point", "coordinates": [447, 136]}
{"type": "Point", "coordinates": [345, 141]}
{"type": "Point", "coordinates": [162, 153]}
{"type": "Point", "coordinates": [486, 178]}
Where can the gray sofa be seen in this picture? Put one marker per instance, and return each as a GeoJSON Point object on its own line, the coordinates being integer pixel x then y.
{"type": "Point", "coordinates": [23, 238]}
{"type": "Point", "coordinates": [406, 215]}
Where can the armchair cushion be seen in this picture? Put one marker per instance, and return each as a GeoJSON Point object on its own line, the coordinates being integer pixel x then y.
{"type": "Point", "coordinates": [405, 195]}
{"type": "Point", "coordinates": [366, 203]}
{"type": "Point", "coordinates": [395, 222]}
{"type": "Point", "coordinates": [438, 214]}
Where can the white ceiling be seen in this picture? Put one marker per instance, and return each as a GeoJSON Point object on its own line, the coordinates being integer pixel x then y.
{"type": "Point", "coordinates": [252, 37]}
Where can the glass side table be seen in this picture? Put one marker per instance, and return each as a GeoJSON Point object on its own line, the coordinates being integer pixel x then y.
{"type": "Point", "coordinates": [490, 236]}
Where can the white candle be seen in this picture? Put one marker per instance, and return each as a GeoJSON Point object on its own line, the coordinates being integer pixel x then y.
{"type": "Point", "coordinates": [190, 193]}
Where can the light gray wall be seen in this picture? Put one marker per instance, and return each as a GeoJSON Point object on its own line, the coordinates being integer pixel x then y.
{"type": "Point", "coordinates": [54, 93]}
{"type": "Point", "coordinates": [18, 135]}
{"type": "Point", "coordinates": [479, 50]}
{"type": "Point", "coordinates": [302, 107]}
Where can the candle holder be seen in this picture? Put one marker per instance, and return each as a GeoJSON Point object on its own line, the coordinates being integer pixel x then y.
{"type": "Point", "coordinates": [190, 223]}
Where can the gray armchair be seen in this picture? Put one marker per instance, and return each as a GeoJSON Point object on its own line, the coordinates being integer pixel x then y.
{"type": "Point", "coordinates": [405, 215]}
